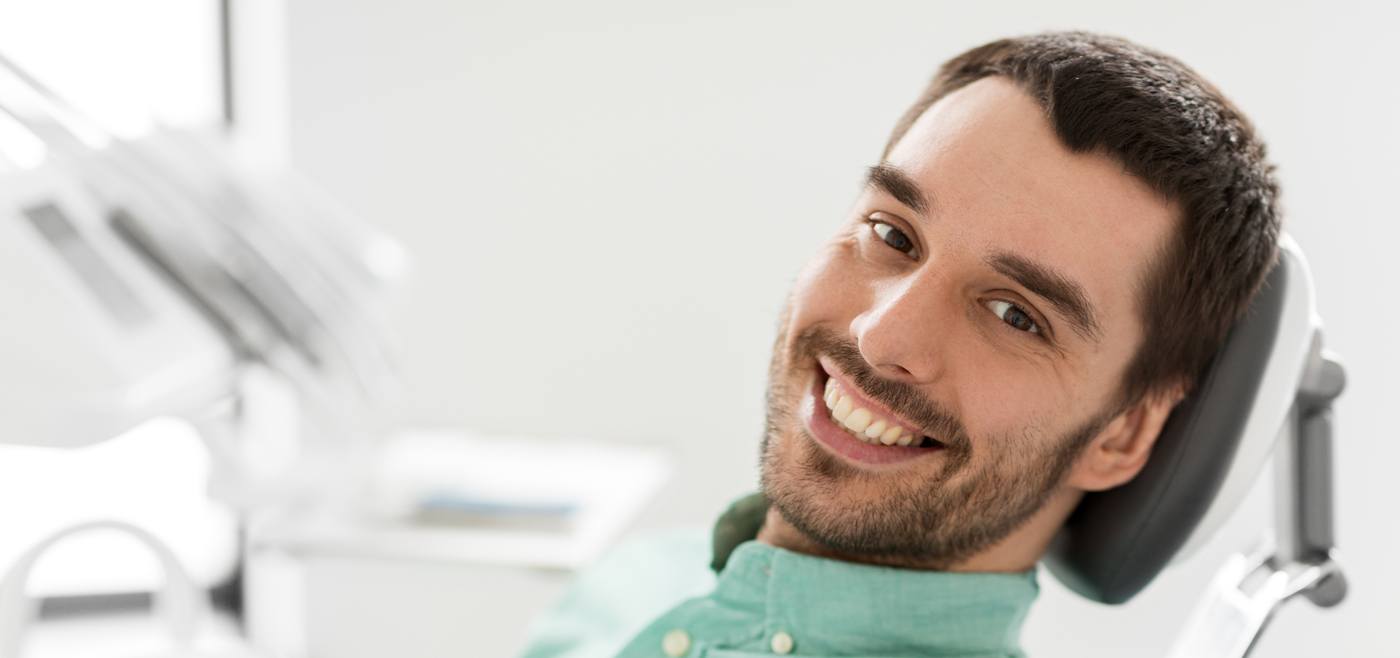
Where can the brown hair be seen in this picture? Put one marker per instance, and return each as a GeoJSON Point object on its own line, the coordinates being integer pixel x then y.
{"type": "Point", "coordinates": [1174, 130]}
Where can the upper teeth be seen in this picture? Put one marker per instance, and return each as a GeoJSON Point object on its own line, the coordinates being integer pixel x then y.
{"type": "Point", "coordinates": [862, 423]}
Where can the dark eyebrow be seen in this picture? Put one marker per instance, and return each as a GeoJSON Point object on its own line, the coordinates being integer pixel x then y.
{"type": "Point", "coordinates": [893, 181]}
{"type": "Point", "coordinates": [1064, 294]}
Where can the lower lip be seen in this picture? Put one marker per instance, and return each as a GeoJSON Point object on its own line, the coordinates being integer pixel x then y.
{"type": "Point", "coordinates": [818, 420]}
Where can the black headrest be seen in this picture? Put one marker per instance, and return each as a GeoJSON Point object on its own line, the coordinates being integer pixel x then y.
{"type": "Point", "coordinates": [1118, 540]}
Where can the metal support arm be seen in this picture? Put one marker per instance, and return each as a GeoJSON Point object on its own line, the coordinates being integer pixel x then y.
{"type": "Point", "coordinates": [1299, 558]}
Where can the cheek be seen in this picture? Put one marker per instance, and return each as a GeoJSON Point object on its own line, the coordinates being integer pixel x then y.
{"type": "Point", "coordinates": [1007, 398]}
{"type": "Point", "coordinates": [829, 289]}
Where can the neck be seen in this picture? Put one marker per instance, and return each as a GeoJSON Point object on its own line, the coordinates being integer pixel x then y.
{"type": "Point", "coordinates": [1017, 551]}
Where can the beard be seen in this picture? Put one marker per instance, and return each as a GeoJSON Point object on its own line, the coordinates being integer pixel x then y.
{"type": "Point", "coordinates": [939, 511]}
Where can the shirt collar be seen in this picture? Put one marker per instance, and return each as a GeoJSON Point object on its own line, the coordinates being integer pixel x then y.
{"type": "Point", "coordinates": [838, 606]}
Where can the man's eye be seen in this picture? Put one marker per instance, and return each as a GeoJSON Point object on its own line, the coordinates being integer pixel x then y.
{"type": "Point", "coordinates": [894, 237]}
{"type": "Point", "coordinates": [1013, 315]}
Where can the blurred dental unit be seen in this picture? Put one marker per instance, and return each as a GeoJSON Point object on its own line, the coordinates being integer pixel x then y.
{"type": "Point", "coordinates": [158, 282]}
{"type": "Point", "coordinates": [193, 375]}
{"type": "Point", "coordinates": [188, 333]}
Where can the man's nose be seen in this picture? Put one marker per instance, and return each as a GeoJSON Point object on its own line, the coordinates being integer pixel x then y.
{"type": "Point", "coordinates": [903, 333]}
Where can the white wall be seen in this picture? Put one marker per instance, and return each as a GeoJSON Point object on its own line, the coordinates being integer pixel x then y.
{"type": "Point", "coordinates": [608, 202]}
{"type": "Point", "coordinates": [121, 62]}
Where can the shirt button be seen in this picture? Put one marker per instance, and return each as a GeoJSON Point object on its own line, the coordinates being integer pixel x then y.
{"type": "Point", "coordinates": [782, 643]}
{"type": "Point", "coordinates": [676, 643]}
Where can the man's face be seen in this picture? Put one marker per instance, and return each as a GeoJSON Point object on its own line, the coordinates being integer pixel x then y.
{"type": "Point", "coordinates": [982, 292]}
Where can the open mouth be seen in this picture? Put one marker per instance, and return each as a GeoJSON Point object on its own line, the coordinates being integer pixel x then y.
{"type": "Point", "coordinates": [851, 424]}
{"type": "Point", "coordinates": [868, 423]}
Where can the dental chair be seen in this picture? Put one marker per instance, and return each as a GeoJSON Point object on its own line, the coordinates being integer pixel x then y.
{"type": "Point", "coordinates": [1269, 390]}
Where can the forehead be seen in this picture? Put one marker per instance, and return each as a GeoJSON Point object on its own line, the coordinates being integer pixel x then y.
{"type": "Point", "coordinates": [1000, 180]}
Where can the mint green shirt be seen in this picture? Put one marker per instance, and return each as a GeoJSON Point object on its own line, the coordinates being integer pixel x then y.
{"type": "Point", "coordinates": [655, 598]}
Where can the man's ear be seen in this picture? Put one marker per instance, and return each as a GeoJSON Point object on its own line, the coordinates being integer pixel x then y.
{"type": "Point", "coordinates": [1119, 451]}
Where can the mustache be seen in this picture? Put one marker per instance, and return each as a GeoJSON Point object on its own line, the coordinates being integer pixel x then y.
{"type": "Point", "coordinates": [903, 399]}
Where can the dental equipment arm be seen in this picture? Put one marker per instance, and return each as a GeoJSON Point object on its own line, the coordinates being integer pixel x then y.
{"type": "Point", "coordinates": [152, 272]}
{"type": "Point", "coordinates": [1299, 559]}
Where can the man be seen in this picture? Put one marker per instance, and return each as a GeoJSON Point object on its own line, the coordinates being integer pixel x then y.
{"type": "Point", "coordinates": [1056, 240]}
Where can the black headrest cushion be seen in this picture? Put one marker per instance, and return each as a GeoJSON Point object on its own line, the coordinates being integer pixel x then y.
{"type": "Point", "coordinates": [1118, 540]}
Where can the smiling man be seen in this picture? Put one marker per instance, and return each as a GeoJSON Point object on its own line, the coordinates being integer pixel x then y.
{"type": "Point", "coordinates": [1054, 243]}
